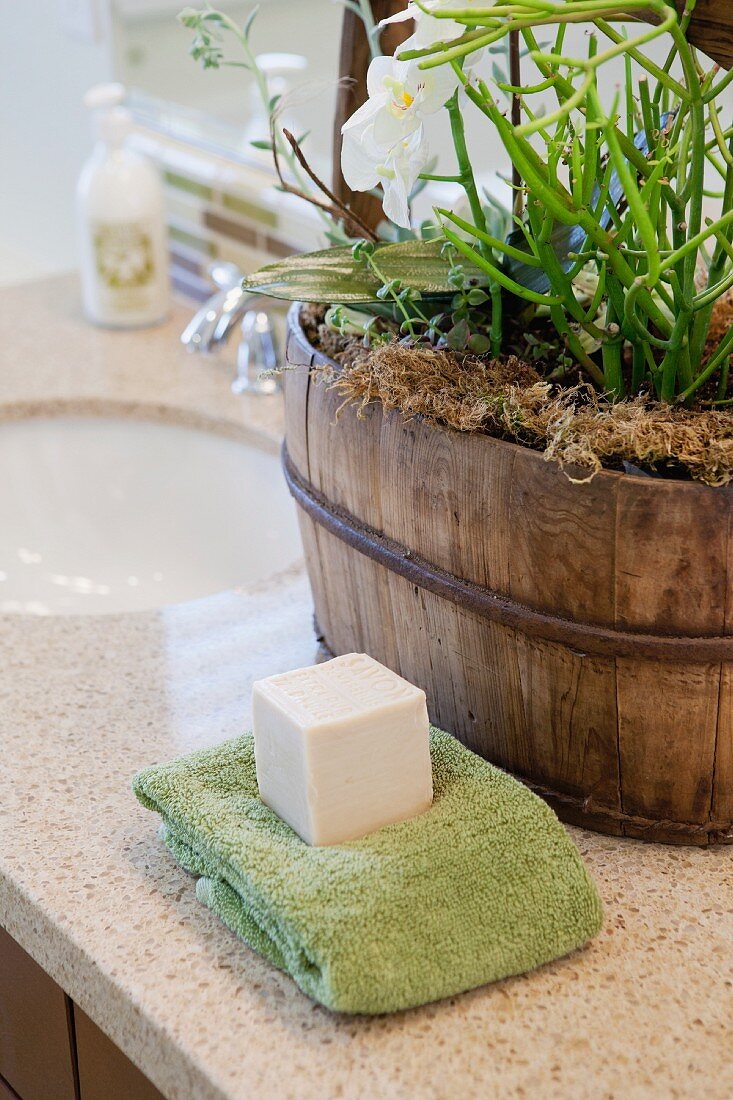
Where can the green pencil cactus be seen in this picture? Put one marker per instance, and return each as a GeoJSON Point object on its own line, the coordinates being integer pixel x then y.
{"type": "Point", "coordinates": [620, 237]}
{"type": "Point", "coordinates": [619, 190]}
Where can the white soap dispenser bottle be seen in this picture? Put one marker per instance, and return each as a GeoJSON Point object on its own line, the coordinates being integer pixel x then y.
{"type": "Point", "coordinates": [123, 252]}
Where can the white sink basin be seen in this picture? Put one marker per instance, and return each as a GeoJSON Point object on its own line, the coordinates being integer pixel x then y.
{"type": "Point", "coordinates": [103, 514]}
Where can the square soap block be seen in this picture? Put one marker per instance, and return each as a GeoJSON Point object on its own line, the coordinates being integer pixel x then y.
{"type": "Point", "coordinates": [342, 748]}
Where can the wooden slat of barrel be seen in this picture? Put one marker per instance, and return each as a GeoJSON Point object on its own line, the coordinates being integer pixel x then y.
{"type": "Point", "coordinates": [667, 737]}
{"type": "Point", "coordinates": [557, 527]}
{"type": "Point", "coordinates": [438, 485]}
{"type": "Point", "coordinates": [444, 493]}
{"type": "Point", "coordinates": [722, 808]}
{"type": "Point", "coordinates": [341, 451]}
{"type": "Point", "coordinates": [671, 578]}
{"type": "Point", "coordinates": [711, 29]}
{"type": "Point", "coordinates": [312, 536]}
{"type": "Point", "coordinates": [358, 610]}
{"type": "Point", "coordinates": [556, 530]}
{"type": "Point", "coordinates": [297, 384]}
{"type": "Point", "coordinates": [465, 666]}
{"type": "Point", "coordinates": [447, 495]}
{"type": "Point", "coordinates": [571, 721]}
{"type": "Point", "coordinates": [671, 557]}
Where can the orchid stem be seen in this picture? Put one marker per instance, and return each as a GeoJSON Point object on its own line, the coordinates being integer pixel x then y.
{"type": "Point", "coordinates": [468, 182]}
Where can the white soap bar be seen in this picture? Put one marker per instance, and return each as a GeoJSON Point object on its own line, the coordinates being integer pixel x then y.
{"type": "Point", "coordinates": [342, 748]}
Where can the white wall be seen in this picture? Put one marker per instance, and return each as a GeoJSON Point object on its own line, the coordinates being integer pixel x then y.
{"type": "Point", "coordinates": [44, 132]}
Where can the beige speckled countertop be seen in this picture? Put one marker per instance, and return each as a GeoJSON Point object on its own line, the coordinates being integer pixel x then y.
{"type": "Point", "coordinates": [87, 889]}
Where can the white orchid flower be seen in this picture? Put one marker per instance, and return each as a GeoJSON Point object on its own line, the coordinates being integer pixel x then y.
{"type": "Point", "coordinates": [401, 96]}
{"type": "Point", "coordinates": [365, 163]}
{"type": "Point", "coordinates": [428, 29]}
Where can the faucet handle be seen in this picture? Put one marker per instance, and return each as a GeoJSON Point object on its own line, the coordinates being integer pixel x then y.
{"type": "Point", "coordinates": [224, 274]}
{"type": "Point", "coordinates": [198, 334]}
{"type": "Point", "coordinates": [211, 324]}
{"type": "Point", "coordinates": [257, 353]}
{"type": "Point", "coordinates": [229, 277]}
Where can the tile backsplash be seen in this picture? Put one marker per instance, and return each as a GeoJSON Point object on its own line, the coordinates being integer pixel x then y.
{"type": "Point", "coordinates": [223, 209]}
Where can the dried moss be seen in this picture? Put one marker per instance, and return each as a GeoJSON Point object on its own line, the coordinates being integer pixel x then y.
{"type": "Point", "coordinates": [576, 427]}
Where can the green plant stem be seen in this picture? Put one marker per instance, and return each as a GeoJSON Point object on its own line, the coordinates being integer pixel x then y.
{"type": "Point", "coordinates": [648, 256]}
{"type": "Point", "coordinates": [492, 242]}
{"type": "Point", "coordinates": [560, 321]}
{"type": "Point", "coordinates": [409, 319]}
{"type": "Point", "coordinates": [468, 182]}
{"type": "Point", "coordinates": [716, 90]}
{"type": "Point", "coordinates": [613, 378]}
{"type": "Point", "coordinates": [465, 170]}
{"type": "Point", "coordinates": [638, 366]}
{"type": "Point", "coordinates": [440, 179]}
{"type": "Point", "coordinates": [558, 202]}
{"type": "Point", "coordinates": [495, 272]}
{"type": "Point", "coordinates": [660, 74]}
{"type": "Point", "coordinates": [723, 381]}
{"type": "Point", "coordinates": [716, 271]}
{"type": "Point", "coordinates": [723, 352]}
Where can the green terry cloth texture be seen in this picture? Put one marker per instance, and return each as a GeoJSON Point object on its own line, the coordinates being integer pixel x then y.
{"type": "Point", "coordinates": [486, 884]}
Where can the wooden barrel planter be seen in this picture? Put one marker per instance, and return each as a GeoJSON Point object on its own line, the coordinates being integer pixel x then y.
{"type": "Point", "coordinates": [710, 28]}
{"type": "Point", "coordinates": [579, 636]}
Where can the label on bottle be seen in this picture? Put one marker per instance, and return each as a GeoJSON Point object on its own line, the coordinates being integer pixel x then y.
{"type": "Point", "coordinates": [124, 258]}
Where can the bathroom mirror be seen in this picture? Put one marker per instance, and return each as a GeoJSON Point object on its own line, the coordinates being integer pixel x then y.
{"type": "Point", "coordinates": [221, 109]}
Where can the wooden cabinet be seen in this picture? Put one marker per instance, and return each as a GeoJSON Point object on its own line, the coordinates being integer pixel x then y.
{"type": "Point", "coordinates": [35, 1048]}
{"type": "Point", "coordinates": [6, 1093]}
{"type": "Point", "coordinates": [104, 1071]}
{"type": "Point", "coordinates": [49, 1048]}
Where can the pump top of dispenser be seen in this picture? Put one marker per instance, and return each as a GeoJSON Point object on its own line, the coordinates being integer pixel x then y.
{"type": "Point", "coordinates": [104, 96]}
{"type": "Point", "coordinates": [111, 122]}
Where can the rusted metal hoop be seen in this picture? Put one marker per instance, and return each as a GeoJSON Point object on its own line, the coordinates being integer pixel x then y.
{"type": "Point", "coordinates": [589, 639]}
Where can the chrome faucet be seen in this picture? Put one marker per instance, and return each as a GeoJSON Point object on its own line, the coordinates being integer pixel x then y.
{"type": "Point", "coordinates": [212, 324]}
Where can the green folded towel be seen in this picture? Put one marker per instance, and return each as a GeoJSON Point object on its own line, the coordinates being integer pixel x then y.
{"type": "Point", "coordinates": [486, 884]}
